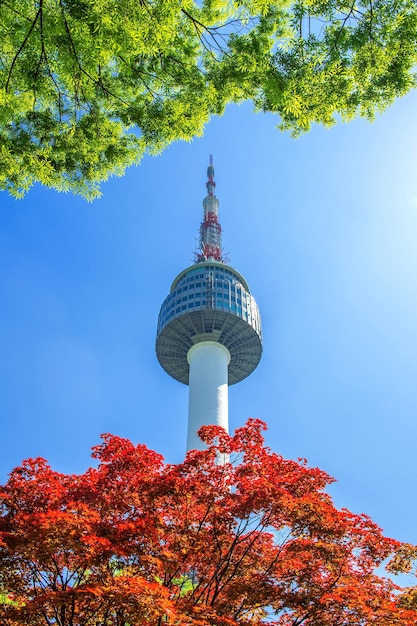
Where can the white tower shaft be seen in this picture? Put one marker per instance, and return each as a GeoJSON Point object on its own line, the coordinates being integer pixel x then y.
{"type": "Point", "coordinates": [208, 389]}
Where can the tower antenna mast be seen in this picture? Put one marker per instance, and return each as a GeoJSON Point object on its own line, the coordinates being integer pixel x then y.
{"type": "Point", "coordinates": [210, 244]}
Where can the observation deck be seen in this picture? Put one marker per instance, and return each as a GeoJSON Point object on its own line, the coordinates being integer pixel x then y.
{"type": "Point", "coordinates": [209, 301]}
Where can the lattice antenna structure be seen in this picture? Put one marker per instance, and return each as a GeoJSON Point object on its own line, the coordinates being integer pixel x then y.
{"type": "Point", "coordinates": [209, 327]}
{"type": "Point", "coordinates": [210, 243]}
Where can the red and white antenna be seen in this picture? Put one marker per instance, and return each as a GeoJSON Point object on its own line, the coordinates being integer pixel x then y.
{"type": "Point", "coordinates": [210, 244]}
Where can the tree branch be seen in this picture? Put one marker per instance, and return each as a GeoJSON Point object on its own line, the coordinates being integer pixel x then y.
{"type": "Point", "coordinates": [24, 42]}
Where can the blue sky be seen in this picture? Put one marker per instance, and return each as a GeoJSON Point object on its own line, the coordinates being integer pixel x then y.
{"type": "Point", "coordinates": [324, 229]}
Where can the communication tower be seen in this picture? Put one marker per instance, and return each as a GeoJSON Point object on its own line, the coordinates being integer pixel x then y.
{"type": "Point", "coordinates": [209, 326]}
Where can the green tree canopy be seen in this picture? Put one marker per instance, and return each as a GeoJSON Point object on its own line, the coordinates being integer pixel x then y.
{"type": "Point", "coordinates": [87, 87]}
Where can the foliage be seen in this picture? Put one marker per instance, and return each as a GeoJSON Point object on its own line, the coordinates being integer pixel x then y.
{"type": "Point", "coordinates": [405, 561]}
{"type": "Point", "coordinates": [87, 87]}
{"type": "Point", "coordinates": [255, 540]}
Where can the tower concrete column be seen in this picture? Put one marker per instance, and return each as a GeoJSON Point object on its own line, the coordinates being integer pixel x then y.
{"type": "Point", "coordinates": [208, 389]}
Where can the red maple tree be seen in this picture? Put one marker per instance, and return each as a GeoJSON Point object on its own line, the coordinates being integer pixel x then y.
{"type": "Point", "coordinates": [252, 540]}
